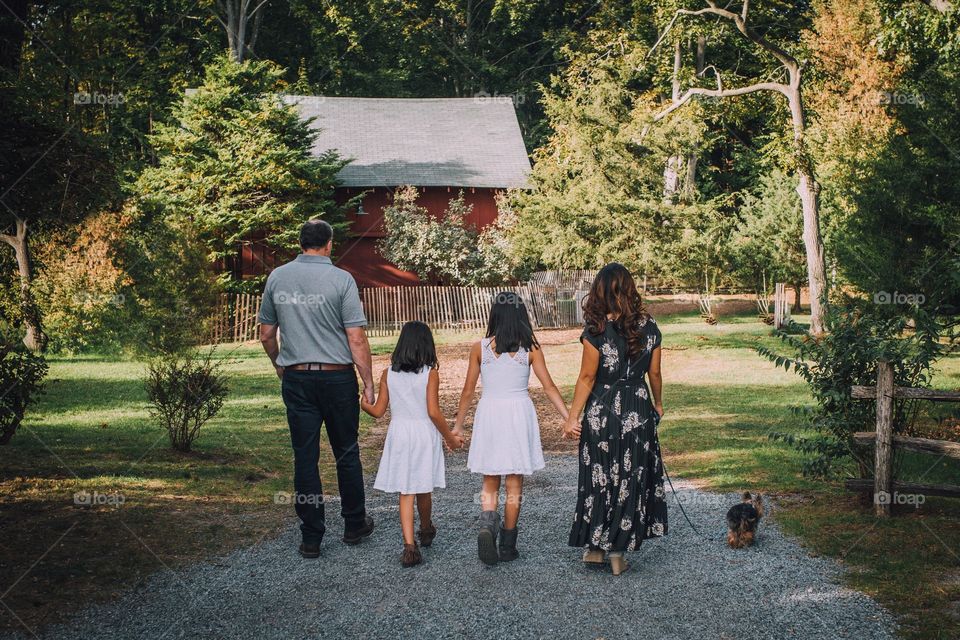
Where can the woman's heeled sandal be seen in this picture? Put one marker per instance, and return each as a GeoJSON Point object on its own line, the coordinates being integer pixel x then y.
{"type": "Point", "coordinates": [594, 556]}
{"type": "Point", "coordinates": [618, 564]}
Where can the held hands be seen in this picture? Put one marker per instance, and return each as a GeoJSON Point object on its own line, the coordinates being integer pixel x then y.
{"type": "Point", "coordinates": [453, 440]}
{"type": "Point", "coordinates": [368, 396]}
{"type": "Point", "coordinates": [571, 428]}
{"type": "Point", "coordinates": [366, 406]}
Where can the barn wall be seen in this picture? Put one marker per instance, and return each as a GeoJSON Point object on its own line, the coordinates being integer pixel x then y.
{"type": "Point", "coordinates": [359, 254]}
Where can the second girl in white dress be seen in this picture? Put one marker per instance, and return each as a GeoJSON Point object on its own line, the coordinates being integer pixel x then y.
{"type": "Point", "coordinates": [506, 433]}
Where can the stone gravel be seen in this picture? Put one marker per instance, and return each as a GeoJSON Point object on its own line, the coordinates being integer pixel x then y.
{"type": "Point", "coordinates": [678, 587]}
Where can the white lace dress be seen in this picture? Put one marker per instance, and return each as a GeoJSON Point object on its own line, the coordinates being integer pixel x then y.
{"type": "Point", "coordinates": [412, 460]}
{"type": "Point", "coordinates": [506, 434]}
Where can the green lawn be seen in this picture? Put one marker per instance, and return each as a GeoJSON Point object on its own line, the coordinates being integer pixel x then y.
{"type": "Point", "coordinates": [92, 432]}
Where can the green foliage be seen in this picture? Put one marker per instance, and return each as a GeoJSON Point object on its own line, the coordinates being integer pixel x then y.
{"type": "Point", "coordinates": [449, 248]}
{"type": "Point", "coordinates": [21, 375]}
{"type": "Point", "coordinates": [768, 240]}
{"type": "Point", "coordinates": [236, 162]}
{"type": "Point", "coordinates": [184, 392]}
{"type": "Point", "coordinates": [81, 290]}
{"type": "Point", "coordinates": [860, 333]}
{"type": "Point", "coordinates": [172, 288]}
{"type": "Point", "coordinates": [598, 192]}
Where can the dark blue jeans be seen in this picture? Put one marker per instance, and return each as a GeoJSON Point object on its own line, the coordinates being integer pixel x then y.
{"type": "Point", "coordinates": [315, 398]}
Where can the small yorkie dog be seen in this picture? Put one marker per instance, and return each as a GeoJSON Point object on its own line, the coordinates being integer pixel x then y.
{"type": "Point", "coordinates": [742, 520]}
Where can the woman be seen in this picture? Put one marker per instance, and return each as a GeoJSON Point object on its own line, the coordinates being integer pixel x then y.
{"type": "Point", "coordinates": [621, 501]}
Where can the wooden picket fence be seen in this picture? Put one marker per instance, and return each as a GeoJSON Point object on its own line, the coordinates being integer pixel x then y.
{"type": "Point", "coordinates": [235, 318]}
{"type": "Point", "coordinates": [884, 486]}
{"type": "Point", "coordinates": [553, 300]}
{"type": "Point", "coordinates": [443, 308]}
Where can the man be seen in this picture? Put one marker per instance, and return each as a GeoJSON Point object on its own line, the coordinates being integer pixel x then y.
{"type": "Point", "coordinates": [316, 307]}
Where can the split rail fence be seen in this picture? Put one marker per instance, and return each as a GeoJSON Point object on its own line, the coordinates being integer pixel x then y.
{"type": "Point", "coordinates": [884, 486]}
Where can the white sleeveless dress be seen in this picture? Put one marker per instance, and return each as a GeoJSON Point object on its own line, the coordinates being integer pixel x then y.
{"type": "Point", "coordinates": [412, 460]}
{"type": "Point", "coordinates": [506, 434]}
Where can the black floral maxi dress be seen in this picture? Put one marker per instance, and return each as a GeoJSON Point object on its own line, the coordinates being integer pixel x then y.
{"type": "Point", "coordinates": [620, 500]}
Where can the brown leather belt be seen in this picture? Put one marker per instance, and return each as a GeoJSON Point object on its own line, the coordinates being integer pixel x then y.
{"type": "Point", "coordinates": [318, 366]}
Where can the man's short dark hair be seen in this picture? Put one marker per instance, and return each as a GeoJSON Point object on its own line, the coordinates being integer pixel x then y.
{"type": "Point", "coordinates": [315, 234]}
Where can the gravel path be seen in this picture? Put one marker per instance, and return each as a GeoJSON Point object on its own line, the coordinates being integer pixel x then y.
{"type": "Point", "coordinates": [677, 587]}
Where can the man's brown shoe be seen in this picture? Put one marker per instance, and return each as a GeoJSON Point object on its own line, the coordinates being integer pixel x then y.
{"type": "Point", "coordinates": [309, 550]}
{"type": "Point", "coordinates": [356, 536]}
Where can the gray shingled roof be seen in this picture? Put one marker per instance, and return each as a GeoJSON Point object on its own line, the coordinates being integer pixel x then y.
{"type": "Point", "coordinates": [425, 142]}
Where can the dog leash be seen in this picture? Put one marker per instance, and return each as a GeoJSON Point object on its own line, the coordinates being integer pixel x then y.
{"type": "Point", "coordinates": [680, 504]}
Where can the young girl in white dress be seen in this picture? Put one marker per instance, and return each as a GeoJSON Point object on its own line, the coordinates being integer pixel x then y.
{"type": "Point", "coordinates": [412, 462]}
{"type": "Point", "coordinates": [506, 434]}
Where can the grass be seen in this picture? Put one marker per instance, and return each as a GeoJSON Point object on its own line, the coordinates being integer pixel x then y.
{"type": "Point", "coordinates": [723, 400]}
{"type": "Point", "coordinates": [92, 432]}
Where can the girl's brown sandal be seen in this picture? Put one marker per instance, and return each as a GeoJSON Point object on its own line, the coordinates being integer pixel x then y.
{"type": "Point", "coordinates": [411, 555]}
{"type": "Point", "coordinates": [427, 534]}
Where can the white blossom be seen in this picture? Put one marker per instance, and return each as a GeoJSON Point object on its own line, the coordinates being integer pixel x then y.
{"type": "Point", "coordinates": [630, 422]}
{"type": "Point", "coordinates": [610, 356]}
{"type": "Point", "coordinates": [599, 477]}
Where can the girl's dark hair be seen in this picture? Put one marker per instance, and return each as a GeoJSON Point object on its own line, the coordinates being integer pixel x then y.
{"type": "Point", "coordinates": [614, 293]}
{"type": "Point", "coordinates": [509, 324]}
{"type": "Point", "coordinates": [415, 349]}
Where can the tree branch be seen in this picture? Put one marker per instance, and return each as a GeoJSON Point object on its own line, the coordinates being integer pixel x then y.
{"type": "Point", "coordinates": [740, 21]}
{"type": "Point", "coordinates": [715, 93]}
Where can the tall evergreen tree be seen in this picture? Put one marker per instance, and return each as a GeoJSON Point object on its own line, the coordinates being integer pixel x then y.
{"type": "Point", "coordinates": [237, 162]}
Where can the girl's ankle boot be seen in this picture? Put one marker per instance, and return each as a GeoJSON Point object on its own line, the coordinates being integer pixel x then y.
{"type": "Point", "coordinates": [487, 537]}
{"type": "Point", "coordinates": [508, 545]}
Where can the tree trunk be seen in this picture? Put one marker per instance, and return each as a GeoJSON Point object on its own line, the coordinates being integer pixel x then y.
{"type": "Point", "coordinates": [690, 182]}
{"type": "Point", "coordinates": [796, 297]}
{"type": "Point", "coordinates": [34, 338]}
{"type": "Point", "coordinates": [235, 16]}
{"type": "Point", "coordinates": [809, 191]}
{"type": "Point", "coordinates": [671, 174]}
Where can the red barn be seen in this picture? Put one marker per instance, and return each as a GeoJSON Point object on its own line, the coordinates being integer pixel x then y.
{"type": "Point", "coordinates": [439, 145]}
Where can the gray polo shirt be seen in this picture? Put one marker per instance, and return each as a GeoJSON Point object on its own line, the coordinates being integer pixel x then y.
{"type": "Point", "coordinates": [313, 302]}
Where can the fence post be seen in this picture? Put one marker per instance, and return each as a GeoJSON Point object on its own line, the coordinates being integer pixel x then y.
{"type": "Point", "coordinates": [882, 468]}
{"type": "Point", "coordinates": [779, 301]}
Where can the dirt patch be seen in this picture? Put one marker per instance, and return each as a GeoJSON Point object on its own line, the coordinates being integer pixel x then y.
{"type": "Point", "coordinates": [558, 345]}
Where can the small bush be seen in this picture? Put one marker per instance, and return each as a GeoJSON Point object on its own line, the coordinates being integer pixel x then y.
{"type": "Point", "coordinates": [21, 374]}
{"type": "Point", "coordinates": [859, 334]}
{"type": "Point", "coordinates": [185, 391]}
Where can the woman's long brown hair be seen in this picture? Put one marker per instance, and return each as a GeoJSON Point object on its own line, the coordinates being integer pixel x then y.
{"type": "Point", "coordinates": [614, 293]}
